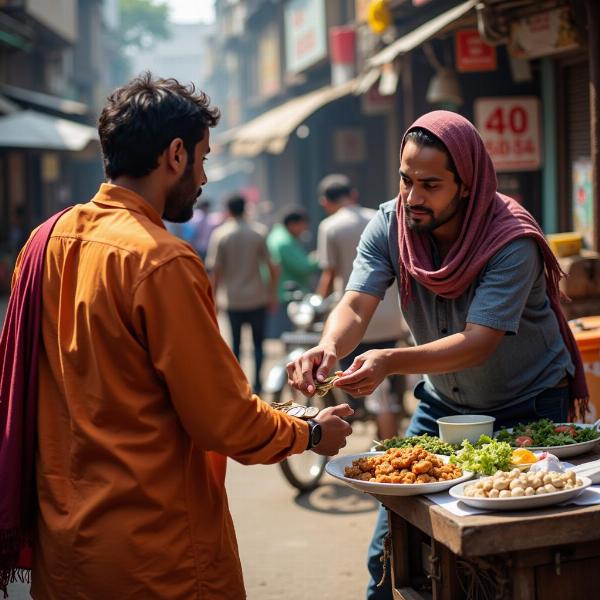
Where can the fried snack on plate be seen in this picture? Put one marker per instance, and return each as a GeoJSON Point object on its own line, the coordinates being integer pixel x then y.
{"type": "Point", "coordinates": [403, 465]}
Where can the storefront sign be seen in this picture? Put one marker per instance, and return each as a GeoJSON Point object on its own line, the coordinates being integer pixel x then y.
{"type": "Point", "coordinates": [543, 34]}
{"type": "Point", "coordinates": [349, 145]}
{"type": "Point", "coordinates": [305, 34]}
{"type": "Point", "coordinates": [472, 53]}
{"type": "Point", "coordinates": [269, 65]}
{"type": "Point", "coordinates": [583, 200]}
{"type": "Point", "coordinates": [510, 128]}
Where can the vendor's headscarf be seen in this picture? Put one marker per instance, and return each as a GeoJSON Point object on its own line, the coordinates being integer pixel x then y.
{"type": "Point", "coordinates": [491, 221]}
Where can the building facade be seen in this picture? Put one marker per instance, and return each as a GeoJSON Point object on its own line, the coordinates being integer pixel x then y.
{"type": "Point", "coordinates": [523, 72]}
{"type": "Point", "coordinates": [52, 83]}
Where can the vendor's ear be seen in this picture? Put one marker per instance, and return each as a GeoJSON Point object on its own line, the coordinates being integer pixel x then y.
{"type": "Point", "coordinates": [464, 191]}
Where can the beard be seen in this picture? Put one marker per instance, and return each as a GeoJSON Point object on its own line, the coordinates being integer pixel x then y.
{"type": "Point", "coordinates": [181, 198]}
{"type": "Point", "coordinates": [457, 204]}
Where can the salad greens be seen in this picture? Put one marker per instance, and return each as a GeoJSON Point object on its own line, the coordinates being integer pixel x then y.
{"type": "Point", "coordinates": [428, 442]}
{"type": "Point", "coordinates": [486, 456]}
{"type": "Point", "coordinates": [546, 433]}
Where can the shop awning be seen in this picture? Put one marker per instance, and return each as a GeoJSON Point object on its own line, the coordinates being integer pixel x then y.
{"type": "Point", "coordinates": [7, 107]}
{"type": "Point", "coordinates": [38, 131]}
{"type": "Point", "coordinates": [421, 34]}
{"type": "Point", "coordinates": [270, 131]}
{"type": "Point", "coordinates": [44, 101]}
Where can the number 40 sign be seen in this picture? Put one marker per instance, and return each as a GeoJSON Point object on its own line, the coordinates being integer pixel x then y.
{"type": "Point", "coordinates": [510, 128]}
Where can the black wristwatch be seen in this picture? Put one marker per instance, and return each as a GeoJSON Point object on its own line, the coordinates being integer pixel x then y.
{"type": "Point", "coordinates": [314, 433]}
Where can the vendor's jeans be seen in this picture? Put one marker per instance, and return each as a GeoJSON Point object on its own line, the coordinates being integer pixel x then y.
{"type": "Point", "coordinates": [551, 404]}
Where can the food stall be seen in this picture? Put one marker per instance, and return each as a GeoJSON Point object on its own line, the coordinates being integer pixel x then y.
{"type": "Point", "coordinates": [543, 554]}
{"type": "Point", "coordinates": [443, 545]}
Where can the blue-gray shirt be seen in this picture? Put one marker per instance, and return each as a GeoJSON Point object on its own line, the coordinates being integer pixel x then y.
{"type": "Point", "coordinates": [509, 294]}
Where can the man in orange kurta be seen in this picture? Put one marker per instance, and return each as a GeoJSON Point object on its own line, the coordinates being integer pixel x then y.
{"type": "Point", "coordinates": [139, 396]}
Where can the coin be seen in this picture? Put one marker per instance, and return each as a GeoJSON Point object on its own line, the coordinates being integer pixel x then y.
{"type": "Point", "coordinates": [311, 412]}
{"type": "Point", "coordinates": [297, 411]}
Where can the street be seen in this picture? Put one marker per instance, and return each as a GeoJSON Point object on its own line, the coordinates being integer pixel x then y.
{"type": "Point", "coordinates": [298, 547]}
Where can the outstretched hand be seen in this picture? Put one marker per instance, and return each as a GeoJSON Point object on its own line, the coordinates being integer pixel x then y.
{"type": "Point", "coordinates": [366, 373]}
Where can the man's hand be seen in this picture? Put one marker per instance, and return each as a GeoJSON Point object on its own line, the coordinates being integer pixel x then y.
{"type": "Point", "coordinates": [366, 373]}
{"type": "Point", "coordinates": [334, 430]}
{"type": "Point", "coordinates": [301, 371]}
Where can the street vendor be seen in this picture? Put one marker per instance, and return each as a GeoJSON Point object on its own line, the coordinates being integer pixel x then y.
{"type": "Point", "coordinates": [478, 289]}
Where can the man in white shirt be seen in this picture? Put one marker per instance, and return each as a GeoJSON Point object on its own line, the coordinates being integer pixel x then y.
{"type": "Point", "coordinates": [338, 237]}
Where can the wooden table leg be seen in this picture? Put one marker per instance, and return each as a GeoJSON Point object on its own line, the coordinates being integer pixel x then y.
{"type": "Point", "coordinates": [400, 551]}
{"type": "Point", "coordinates": [523, 583]}
{"type": "Point", "coordinates": [444, 576]}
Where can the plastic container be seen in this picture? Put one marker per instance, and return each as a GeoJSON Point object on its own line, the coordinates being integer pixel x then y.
{"type": "Point", "coordinates": [565, 244]}
{"type": "Point", "coordinates": [457, 428]}
{"type": "Point", "coordinates": [587, 335]}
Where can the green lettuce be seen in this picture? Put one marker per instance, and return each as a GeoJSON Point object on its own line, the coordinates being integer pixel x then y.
{"type": "Point", "coordinates": [485, 457]}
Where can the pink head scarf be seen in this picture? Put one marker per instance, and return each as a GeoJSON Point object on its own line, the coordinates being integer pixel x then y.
{"type": "Point", "coordinates": [491, 221]}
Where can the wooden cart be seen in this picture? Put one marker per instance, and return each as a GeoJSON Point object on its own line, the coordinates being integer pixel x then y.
{"type": "Point", "coordinates": [541, 554]}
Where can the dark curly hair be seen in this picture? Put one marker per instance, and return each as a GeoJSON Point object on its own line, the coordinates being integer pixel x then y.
{"type": "Point", "coordinates": [142, 118]}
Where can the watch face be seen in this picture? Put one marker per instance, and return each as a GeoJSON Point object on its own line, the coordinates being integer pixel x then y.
{"type": "Point", "coordinates": [316, 435]}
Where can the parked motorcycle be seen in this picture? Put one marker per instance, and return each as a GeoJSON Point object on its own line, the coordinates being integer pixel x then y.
{"type": "Point", "coordinates": [308, 313]}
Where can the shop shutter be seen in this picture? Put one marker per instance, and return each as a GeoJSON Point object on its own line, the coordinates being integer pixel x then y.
{"type": "Point", "coordinates": [578, 112]}
{"type": "Point", "coordinates": [575, 129]}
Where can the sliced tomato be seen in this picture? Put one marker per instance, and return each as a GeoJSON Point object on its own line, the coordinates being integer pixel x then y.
{"type": "Point", "coordinates": [568, 429]}
{"type": "Point", "coordinates": [524, 440]}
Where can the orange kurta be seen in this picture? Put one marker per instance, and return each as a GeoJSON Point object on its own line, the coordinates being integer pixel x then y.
{"type": "Point", "coordinates": [136, 387]}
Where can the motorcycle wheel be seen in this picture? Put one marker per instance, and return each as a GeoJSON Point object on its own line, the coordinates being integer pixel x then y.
{"type": "Point", "coordinates": [303, 471]}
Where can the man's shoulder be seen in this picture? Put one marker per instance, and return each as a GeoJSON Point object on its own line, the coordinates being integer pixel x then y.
{"type": "Point", "coordinates": [328, 222]}
{"type": "Point", "coordinates": [279, 236]}
{"type": "Point", "coordinates": [518, 250]}
{"type": "Point", "coordinates": [384, 218]}
{"type": "Point", "coordinates": [389, 207]}
{"type": "Point", "coordinates": [139, 238]}
{"type": "Point", "coordinates": [258, 229]}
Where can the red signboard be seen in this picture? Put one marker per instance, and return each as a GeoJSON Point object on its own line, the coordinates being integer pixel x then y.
{"type": "Point", "coordinates": [472, 53]}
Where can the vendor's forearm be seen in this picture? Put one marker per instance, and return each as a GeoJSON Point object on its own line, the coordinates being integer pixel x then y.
{"type": "Point", "coordinates": [348, 322]}
{"type": "Point", "coordinates": [470, 348]}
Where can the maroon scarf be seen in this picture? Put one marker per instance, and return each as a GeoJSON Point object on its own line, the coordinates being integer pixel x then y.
{"type": "Point", "coordinates": [19, 346]}
{"type": "Point", "coordinates": [491, 221]}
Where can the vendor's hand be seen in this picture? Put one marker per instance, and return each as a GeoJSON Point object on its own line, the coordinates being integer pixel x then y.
{"type": "Point", "coordinates": [366, 373]}
{"type": "Point", "coordinates": [334, 430]}
{"type": "Point", "coordinates": [301, 372]}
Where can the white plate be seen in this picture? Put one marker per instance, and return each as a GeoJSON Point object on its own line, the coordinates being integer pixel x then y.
{"type": "Point", "coordinates": [521, 502]}
{"type": "Point", "coordinates": [336, 466]}
{"type": "Point", "coordinates": [567, 450]}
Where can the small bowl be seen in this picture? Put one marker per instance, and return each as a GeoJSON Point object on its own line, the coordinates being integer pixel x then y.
{"type": "Point", "coordinates": [457, 428]}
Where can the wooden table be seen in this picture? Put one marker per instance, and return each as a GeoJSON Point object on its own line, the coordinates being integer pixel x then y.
{"type": "Point", "coordinates": [540, 554]}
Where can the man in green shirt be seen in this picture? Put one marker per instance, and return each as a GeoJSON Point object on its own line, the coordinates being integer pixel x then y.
{"type": "Point", "coordinates": [295, 265]}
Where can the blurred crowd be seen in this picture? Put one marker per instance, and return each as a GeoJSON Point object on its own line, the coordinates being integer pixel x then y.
{"type": "Point", "coordinates": [258, 263]}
